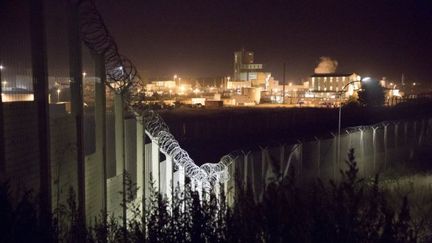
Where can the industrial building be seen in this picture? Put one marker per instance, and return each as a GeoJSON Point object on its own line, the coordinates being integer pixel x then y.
{"type": "Point", "coordinates": [328, 87]}
{"type": "Point", "coordinates": [333, 82]}
{"type": "Point", "coordinates": [247, 73]}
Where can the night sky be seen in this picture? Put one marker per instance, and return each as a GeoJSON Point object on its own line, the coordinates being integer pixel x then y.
{"type": "Point", "coordinates": [197, 38]}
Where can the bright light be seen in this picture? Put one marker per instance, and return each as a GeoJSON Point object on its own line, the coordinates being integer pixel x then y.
{"type": "Point", "coordinates": [366, 79]}
{"type": "Point", "coordinates": [309, 95]}
{"type": "Point", "coordinates": [84, 74]}
{"type": "Point", "coordinates": [58, 95]}
{"type": "Point", "coordinates": [414, 84]}
{"type": "Point", "coordinates": [395, 92]}
{"type": "Point", "coordinates": [175, 76]}
{"type": "Point", "coordinates": [1, 67]}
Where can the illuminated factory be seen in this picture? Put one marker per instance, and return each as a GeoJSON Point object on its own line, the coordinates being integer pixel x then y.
{"type": "Point", "coordinates": [247, 73]}
{"type": "Point", "coordinates": [328, 85]}
{"type": "Point", "coordinates": [251, 84]}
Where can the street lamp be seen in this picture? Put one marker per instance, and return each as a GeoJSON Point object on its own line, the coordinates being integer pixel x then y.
{"type": "Point", "coordinates": [175, 80]}
{"type": "Point", "coordinates": [58, 95]}
{"type": "Point", "coordinates": [365, 79]}
{"type": "Point", "coordinates": [1, 92]}
{"type": "Point", "coordinates": [196, 91]}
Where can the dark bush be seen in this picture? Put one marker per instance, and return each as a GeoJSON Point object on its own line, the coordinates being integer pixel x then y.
{"type": "Point", "coordinates": [350, 210]}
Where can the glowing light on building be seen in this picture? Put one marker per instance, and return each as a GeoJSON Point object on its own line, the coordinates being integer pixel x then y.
{"type": "Point", "coordinates": [182, 89]}
{"type": "Point", "coordinates": [395, 92]}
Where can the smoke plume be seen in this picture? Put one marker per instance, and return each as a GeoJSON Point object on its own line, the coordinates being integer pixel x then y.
{"type": "Point", "coordinates": [326, 65]}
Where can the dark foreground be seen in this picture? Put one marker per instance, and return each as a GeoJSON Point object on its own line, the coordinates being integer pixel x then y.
{"type": "Point", "coordinates": [352, 210]}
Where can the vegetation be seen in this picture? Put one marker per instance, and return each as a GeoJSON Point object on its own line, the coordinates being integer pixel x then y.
{"type": "Point", "coordinates": [351, 210]}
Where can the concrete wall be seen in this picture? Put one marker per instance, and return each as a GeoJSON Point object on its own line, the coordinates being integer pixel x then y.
{"type": "Point", "coordinates": [22, 151]}
{"type": "Point", "coordinates": [114, 196]}
{"type": "Point", "coordinates": [63, 158]}
{"type": "Point", "coordinates": [21, 145]}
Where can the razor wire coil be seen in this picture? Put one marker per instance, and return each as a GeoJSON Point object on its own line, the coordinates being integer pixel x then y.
{"type": "Point", "coordinates": [123, 78]}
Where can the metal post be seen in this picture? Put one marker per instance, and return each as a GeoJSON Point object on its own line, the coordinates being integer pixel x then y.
{"type": "Point", "coordinates": [140, 179]}
{"type": "Point", "coordinates": [284, 81]}
{"type": "Point", "coordinates": [120, 150]}
{"type": "Point", "coordinates": [100, 114]}
{"type": "Point", "coordinates": [75, 63]}
{"type": "Point", "coordinates": [340, 118]}
{"type": "Point", "coordinates": [2, 149]}
{"type": "Point", "coordinates": [166, 177]}
{"type": "Point", "coordinates": [119, 133]}
{"type": "Point", "coordinates": [374, 147]}
{"type": "Point", "coordinates": [385, 145]}
{"type": "Point", "coordinates": [40, 83]}
{"type": "Point", "coordinates": [339, 131]}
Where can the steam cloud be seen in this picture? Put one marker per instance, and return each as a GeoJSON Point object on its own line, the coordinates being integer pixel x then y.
{"type": "Point", "coordinates": [326, 65]}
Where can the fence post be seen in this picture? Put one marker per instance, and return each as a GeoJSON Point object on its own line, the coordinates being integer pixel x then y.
{"type": "Point", "coordinates": [100, 129]}
{"type": "Point", "coordinates": [140, 163]}
{"type": "Point", "coordinates": [374, 147]}
{"type": "Point", "coordinates": [385, 144]}
{"type": "Point", "coordinates": [166, 175]}
{"type": "Point", "coordinates": [40, 83]}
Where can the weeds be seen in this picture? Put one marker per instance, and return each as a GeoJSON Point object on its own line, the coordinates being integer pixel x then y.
{"type": "Point", "coordinates": [351, 210]}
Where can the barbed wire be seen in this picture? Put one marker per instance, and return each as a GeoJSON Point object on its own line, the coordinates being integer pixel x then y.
{"type": "Point", "coordinates": [123, 78]}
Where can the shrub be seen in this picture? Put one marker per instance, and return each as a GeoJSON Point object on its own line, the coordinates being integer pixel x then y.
{"type": "Point", "coordinates": [350, 210]}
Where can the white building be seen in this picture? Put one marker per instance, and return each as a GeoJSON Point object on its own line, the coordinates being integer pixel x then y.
{"type": "Point", "coordinates": [325, 85]}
